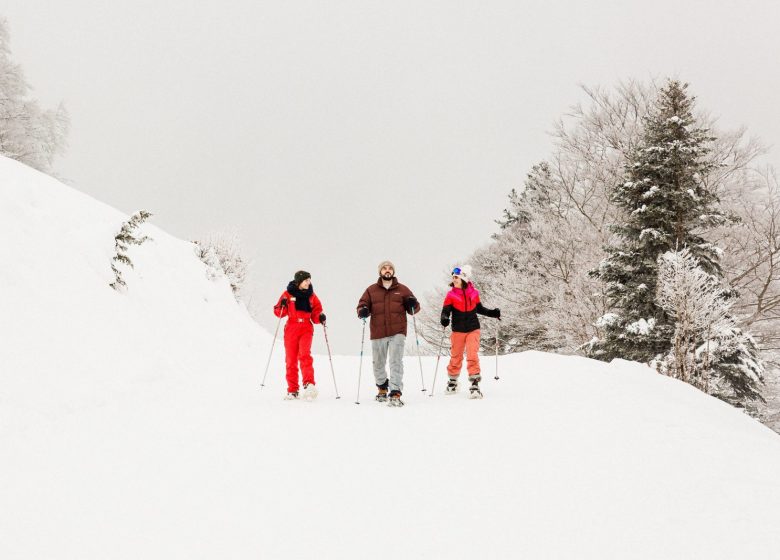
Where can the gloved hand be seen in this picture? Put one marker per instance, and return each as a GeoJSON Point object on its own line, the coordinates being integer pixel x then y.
{"type": "Point", "coordinates": [283, 303]}
{"type": "Point", "coordinates": [445, 322]}
{"type": "Point", "coordinates": [322, 318]}
{"type": "Point", "coordinates": [411, 303]}
{"type": "Point", "coordinates": [498, 313]}
{"type": "Point", "coordinates": [363, 313]}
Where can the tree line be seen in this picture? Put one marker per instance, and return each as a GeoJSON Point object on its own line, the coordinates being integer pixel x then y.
{"type": "Point", "coordinates": [647, 234]}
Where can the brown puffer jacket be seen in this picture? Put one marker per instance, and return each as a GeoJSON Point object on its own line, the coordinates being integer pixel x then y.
{"type": "Point", "coordinates": [387, 308]}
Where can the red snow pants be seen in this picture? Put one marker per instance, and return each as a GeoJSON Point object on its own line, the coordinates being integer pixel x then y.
{"type": "Point", "coordinates": [297, 348]}
{"type": "Point", "coordinates": [470, 343]}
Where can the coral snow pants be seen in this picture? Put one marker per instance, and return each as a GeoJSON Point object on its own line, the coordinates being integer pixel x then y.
{"type": "Point", "coordinates": [470, 343]}
{"type": "Point", "coordinates": [297, 348]}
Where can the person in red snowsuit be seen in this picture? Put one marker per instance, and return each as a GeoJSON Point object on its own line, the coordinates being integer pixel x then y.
{"type": "Point", "coordinates": [302, 308]}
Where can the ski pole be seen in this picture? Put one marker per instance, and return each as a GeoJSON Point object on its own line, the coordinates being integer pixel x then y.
{"type": "Point", "coordinates": [330, 358]}
{"type": "Point", "coordinates": [360, 368]}
{"type": "Point", "coordinates": [276, 332]}
{"type": "Point", "coordinates": [498, 324]}
{"type": "Point", "coordinates": [438, 357]}
{"type": "Point", "coordinates": [419, 358]}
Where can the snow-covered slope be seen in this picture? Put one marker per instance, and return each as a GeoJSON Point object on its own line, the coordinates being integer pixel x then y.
{"type": "Point", "coordinates": [69, 341]}
{"type": "Point", "coordinates": [132, 426]}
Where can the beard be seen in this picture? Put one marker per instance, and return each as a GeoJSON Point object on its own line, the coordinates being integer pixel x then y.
{"type": "Point", "coordinates": [387, 276]}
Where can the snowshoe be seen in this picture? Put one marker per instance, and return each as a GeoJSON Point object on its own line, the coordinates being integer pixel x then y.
{"type": "Point", "coordinates": [381, 396]}
{"type": "Point", "coordinates": [474, 392]}
{"type": "Point", "coordinates": [310, 392]}
{"type": "Point", "coordinates": [395, 400]}
{"type": "Point", "coordinates": [452, 387]}
{"type": "Point", "coordinates": [291, 396]}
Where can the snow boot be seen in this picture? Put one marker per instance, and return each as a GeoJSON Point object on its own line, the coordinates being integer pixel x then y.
{"type": "Point", "coordinates": [452, 386]}
{"type": "Point", "coordinates": [291, 396]}
{"type": "Point", "coordinates": [395, 399]}
{"type": "Point", "coordinates": [474, 392]}
{"type": "Point", "coordinates": [310, 392]}
{"type": "Point", "coordinates": [381, 396]}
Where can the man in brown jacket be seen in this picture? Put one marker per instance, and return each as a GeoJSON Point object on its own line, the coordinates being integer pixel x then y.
{"type": "Point", "coordinates": [387, 302]}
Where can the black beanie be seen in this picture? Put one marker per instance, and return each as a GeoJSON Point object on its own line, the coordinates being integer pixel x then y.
{"type": "Point", "coordinates": [300, 276]}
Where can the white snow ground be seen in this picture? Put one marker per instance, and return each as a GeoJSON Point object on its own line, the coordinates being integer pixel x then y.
{"type": "Point", "coordinates": [132, 426]}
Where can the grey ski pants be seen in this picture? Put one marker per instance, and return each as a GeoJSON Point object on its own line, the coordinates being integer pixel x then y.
{"type": "Point", "coordinates": [392, 347]}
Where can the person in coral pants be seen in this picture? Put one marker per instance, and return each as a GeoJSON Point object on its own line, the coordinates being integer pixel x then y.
{"type": "Point", "coordinates": [462, 301]}
{"type": "Point", "coordinates": [302, 308]}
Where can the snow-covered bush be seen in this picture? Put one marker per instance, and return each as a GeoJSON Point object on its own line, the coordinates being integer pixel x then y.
{"type": "Point", "coordinates": [708, 350]}
{"type": "Point", "coordinates": [127, 236]}
{"type": "Point", "coordinates": [222, 254]}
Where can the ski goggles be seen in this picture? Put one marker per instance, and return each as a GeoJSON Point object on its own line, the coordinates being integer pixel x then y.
{"type": "Point", "coordinates": [456, 271]}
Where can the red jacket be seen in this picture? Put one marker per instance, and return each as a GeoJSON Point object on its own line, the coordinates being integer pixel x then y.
{"type": "Point", "coordinates": [294, 314]}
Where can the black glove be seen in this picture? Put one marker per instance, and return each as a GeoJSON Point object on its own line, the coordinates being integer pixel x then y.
{"type": "Point", "coordinates": [363, 313]}
{"type": "Point", "coordinates": [445, 322]}
{"type": "Point", "coordinates": [498, 313]}
{"type": "Point", "coordinates": [322, 318]}
{"type": "Point", "coordinates": [410, 304]}
{"type": "Point", "coordinates": [283, 303]}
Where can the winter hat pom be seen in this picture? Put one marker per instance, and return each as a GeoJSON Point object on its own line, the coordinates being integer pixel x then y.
{"type": "Point", "coordinates": [300, 276]}
{"type": "Point", "coordinates": [385, 263]}
{"type": "Point", "coordinates": [463, 272]}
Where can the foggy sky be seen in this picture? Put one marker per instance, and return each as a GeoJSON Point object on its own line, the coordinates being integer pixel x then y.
{"type": "Point", "coordinates": [333, 135]}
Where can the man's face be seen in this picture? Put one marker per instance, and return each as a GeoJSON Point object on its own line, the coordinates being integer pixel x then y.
{"type": "Point", "coordinates": [387, 272]}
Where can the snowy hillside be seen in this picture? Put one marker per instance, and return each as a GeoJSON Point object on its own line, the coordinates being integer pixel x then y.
{"type": "Point", "coordinates": [132, 426]}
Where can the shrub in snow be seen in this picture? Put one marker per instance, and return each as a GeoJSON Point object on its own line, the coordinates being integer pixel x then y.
{"type": "Point", "coordinates": [708, 349]}
{"type": "Point", "coordinates": [127, 236]}
{"type": "Point", "coordinates": [27, 133]}
{"type": "Point", "coordinates": [222, 254]}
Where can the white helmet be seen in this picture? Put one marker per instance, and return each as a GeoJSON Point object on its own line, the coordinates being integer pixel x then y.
{"type": "Point", "coordinates": [463, 272]}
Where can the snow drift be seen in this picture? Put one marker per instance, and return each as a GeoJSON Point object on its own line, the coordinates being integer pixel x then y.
{"type": "Point", "coordinates": [132, 426]}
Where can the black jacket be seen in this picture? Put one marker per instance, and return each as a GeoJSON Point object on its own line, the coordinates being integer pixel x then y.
{"type": "Point", "coordinates": [464, 305]}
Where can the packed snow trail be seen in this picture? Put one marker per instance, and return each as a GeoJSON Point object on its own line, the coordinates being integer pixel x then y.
{"type": "Point", "coordinates": [563, 458]}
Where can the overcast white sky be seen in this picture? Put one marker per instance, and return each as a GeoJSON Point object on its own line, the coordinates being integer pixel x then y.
{"type": "Point", "coordinates": [333, 135]}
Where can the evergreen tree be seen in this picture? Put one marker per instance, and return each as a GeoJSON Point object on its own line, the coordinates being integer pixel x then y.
{"type": "Point", "coordinates": [668, 205]}
{"type": "Point", "coordinates": [736, 363]}
{"type": "Point", "coordinates": [512, 267]}
{"type": "Point", "coordinates": [122, 242]}
{"type": "Point", "coordinates": [536, 195]}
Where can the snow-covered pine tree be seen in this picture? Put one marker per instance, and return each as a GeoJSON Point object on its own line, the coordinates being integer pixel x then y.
{"type": "Point", "coordinates": [122, 242]}
{"type": "Point", "coordinates": [27, 133]}
{"type": "Point", "coordinates": [510, 268]}
{"type": "Point", "coordinates": [668, 205]}
{"type": "Point", "coordinates": [736, 364]}
{"type": "Point", "coordinates": [508, 274]}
